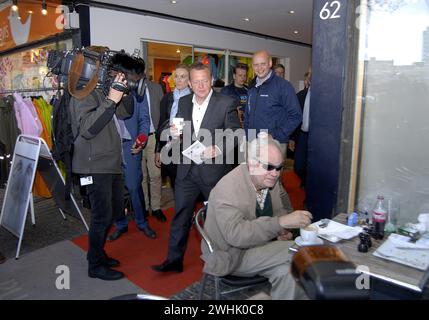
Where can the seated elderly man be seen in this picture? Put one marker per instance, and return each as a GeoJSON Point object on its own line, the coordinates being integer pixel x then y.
{"type": "Point", "coordinates": [247, 221]}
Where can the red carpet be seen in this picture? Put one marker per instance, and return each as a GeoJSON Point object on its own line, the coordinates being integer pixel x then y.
{"type": "Point", "coordinates": [291, 183]}
{"type": "Point", "coordinates": [137, 252]}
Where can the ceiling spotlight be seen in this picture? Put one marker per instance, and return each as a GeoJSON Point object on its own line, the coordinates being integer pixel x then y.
{"type": "Point", "coordinates": [178, 51]}
{"type": "Point", "coordinates": [15, 5]}
{"type": "Point", "coordinates": [291, 11]}
{"type": "Point", "coordinates": [296, 31]}
{"type": "Point", "coordinates": [246, 19]}
{"type": "Point", "coordinates": [44, 8]}
{"type": "Point", "coordinates": [173, 1]}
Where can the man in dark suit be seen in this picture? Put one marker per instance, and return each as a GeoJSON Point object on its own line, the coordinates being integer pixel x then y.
{"type": "Point", "coordinates": [301, 135]}
{"type": "Point", "coordinates": [203, 112]}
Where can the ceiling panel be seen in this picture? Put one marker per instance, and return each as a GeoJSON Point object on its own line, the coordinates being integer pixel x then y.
{"type": "Point", "coordinates": [267, 17]}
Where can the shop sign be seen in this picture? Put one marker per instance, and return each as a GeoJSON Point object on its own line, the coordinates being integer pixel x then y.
{"type": "Point", "coordinates": [28, 24]}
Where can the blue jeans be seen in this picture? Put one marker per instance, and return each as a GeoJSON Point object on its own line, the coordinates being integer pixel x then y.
{"type": "Point", "coordinates": [133, 180]}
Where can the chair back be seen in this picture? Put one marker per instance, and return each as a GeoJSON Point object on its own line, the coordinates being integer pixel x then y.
{"type": "Point", "coordinates": [200, 218]}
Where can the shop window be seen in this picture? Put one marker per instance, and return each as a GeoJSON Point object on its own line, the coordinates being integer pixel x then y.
{"type": "Point", "coordinates": [215, 59]}
{"type": "Point", "coordinates": [394, 75]}
{"type": "Point", "coordinates": [27, 69]}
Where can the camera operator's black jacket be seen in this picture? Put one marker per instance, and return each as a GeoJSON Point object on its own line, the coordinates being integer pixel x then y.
{"type": "Point", "coordinates": [97, 147]}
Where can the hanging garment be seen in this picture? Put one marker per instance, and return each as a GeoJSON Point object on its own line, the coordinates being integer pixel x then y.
{"type": "Point", "coordinates": [8, 133]}
{"type": "Point", "coordinates": [45, 114]}
{"type": "Point", "coordinates": [40, 188]}
{"type": "Point", "coordinates": [9, 130]}
{"type": "Point", "coordinates": [45, 135]}
{"type": "Point", "coordinates": [26, 116]}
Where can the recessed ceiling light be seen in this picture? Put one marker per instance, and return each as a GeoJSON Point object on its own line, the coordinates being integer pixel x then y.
{"type": "Point", "coordinates": [178, 51]}
{"type": "Point", "coordinates": [291, 11]}
{"type": "Point", "coordinates": [15, 5]}
{"type": "Point", "coordinates": [246, 19]}
{"type": "Point", "coordinates": [296, 31]}
{"type": "Point", "coordinates": [173, 1]}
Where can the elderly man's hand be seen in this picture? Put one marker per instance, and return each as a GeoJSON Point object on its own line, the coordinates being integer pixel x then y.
{"type": "Point", "coordinates": [285, 235]}
{"type": "Point", "coordinates": [296, 219]}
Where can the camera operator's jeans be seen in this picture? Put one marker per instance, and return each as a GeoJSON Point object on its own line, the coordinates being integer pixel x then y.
{"type": "Point", "coordinates": [106, 195]}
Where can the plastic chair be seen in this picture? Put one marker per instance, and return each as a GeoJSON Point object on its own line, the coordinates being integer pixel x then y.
{"type": "Point", "coordinates": [237, 283]}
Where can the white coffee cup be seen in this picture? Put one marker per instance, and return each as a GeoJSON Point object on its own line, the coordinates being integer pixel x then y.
{"type": "Point", "coordinates": [179, 123]}
{"type": "Point", "coordinates": [309, 234]}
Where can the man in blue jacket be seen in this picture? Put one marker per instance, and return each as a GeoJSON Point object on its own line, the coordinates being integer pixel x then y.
{"type": "Point", "coordinates": [272, 104]}
{"type": "Point", "coordinates": [131, 127]}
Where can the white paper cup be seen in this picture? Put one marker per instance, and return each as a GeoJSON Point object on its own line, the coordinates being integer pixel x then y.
{"type": "Point", "coordinates": [308, 234]}
{"type": "Point", "coordinates": [179, 123]}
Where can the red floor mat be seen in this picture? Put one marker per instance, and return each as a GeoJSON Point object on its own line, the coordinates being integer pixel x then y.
{"type": "Point", "coordinates": [137, 253]}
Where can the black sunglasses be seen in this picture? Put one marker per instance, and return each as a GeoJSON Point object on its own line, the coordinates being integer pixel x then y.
{"type": "Point", "coordinates": [270, 167]}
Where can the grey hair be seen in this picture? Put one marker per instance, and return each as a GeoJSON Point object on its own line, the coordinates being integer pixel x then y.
{"type": "Point", "coordinates": [263, 140]}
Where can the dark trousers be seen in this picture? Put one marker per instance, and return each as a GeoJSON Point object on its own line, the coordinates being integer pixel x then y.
{"type": "Point", "coordinates": [171, 171]}
{"type": "Point", "coordinates": [106, 195]}
{"type": "Point", "coordinates": [301, 154]}
{"type": "Point", "coordinates": [186, 193]}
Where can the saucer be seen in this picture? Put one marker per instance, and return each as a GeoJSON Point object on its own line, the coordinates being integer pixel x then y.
{"type": "Point", "coordinates": [302, 243]}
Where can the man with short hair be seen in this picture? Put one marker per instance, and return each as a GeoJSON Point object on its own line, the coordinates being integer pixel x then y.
{"type": "Point", "coordinates": [279, 70]}
{"type": "Point", "coordinates": [204, 111]}
{"type": "Point", "coordinates": [272, 104]}
{"type": "Point", "coordinates": [131, 128]}
{"type": "Point", "coordinates": [242, 228]}
{"type": "Point", "coordinates": [238, 90]}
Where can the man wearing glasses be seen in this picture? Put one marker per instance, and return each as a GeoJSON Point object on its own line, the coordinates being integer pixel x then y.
{"type": "Point", "coordinates": [246, 213]}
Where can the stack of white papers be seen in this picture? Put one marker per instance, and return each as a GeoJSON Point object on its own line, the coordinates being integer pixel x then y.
{"type": "Point", "coordinates": [399, 249]}
{"type": "Point", "coordinates": [195, 152]}
{"type": "Point", "coordinates": [335, 231]}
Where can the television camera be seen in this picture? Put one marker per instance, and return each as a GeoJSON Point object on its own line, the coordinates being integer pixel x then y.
{"type": "Point", "coordinates": [110, 63]}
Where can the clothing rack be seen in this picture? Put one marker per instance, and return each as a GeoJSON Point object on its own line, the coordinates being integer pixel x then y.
{"type": "Point", "coordinates": [29, 90]}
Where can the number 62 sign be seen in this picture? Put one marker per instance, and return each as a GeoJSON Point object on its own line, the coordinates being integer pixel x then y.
{"type": "Point", "coordinates": [330, 10]}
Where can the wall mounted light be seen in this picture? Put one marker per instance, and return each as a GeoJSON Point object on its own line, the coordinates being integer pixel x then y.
{"type": "Point", "coordinates": [44, 8]}
{"type": "Point", "coordinates": [15, 5]}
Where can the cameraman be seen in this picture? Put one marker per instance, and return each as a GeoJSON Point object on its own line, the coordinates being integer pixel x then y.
{"type": "Point", "coordinates": [97, 158]}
